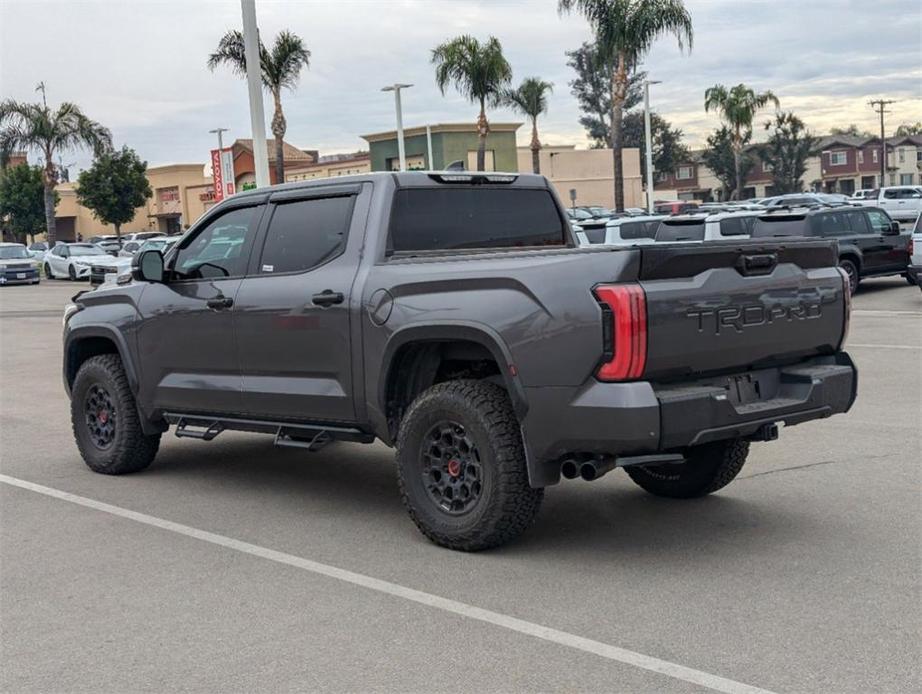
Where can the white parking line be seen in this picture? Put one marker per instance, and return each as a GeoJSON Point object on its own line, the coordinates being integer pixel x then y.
{"type": "Point", "coordinates": [849, 345]}
{"type": "Point", "coordinates": [884, 312]}
{"type": "Point", "coordinates": [563, 638]}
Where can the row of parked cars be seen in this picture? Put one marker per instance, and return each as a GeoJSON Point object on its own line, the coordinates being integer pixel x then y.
{"type": "Point", "coordinates": [96, 259]}
{"type": "Point", "coordinates": [871, 242]}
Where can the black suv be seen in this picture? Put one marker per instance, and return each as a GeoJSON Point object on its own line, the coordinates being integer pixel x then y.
{"type": "Point", "coordinates": [870, 243]}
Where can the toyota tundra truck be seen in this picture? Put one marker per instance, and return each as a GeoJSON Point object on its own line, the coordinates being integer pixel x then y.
{"type": "Point", "coordinates": [454, 317]}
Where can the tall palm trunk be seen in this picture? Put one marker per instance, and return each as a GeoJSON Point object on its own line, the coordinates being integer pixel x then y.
{"type": "Point", "coordinates": [50, 179]}
{"type": "Point", "coordinates": [483, 129]}
{"type": "Point", "coordinates": [535, 147]}
{"type": "Point", "coordinates": [279, 126]}
{"type": "Point", "coordinates": [737, 166]}
{"type": "Point", "coordinates": [618, 96]}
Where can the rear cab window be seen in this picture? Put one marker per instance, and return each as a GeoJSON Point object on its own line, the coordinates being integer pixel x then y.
{"type": "Point", "coordinates": [449, 218]}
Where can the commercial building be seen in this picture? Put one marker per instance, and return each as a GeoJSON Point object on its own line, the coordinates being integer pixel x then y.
{"type": "Point", "coordinates": [331, 166]}
{"type": "Point", "coordinates": [245, 166]}
{"type": "Point", "coordinates": [451, 142]}
{"type": "Point", "coordinates": [588, 173]}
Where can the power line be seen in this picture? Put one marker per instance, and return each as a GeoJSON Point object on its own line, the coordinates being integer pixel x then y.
{"type": "Point", "coordinates": [879, 106]}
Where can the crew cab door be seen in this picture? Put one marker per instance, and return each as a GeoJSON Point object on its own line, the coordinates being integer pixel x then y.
{"type": "Point", "coordinates": [889, 248]}
{"type": "Point", "coordinates": [293, 311]}
{"type": "Point", "coordinates": [188, 353]}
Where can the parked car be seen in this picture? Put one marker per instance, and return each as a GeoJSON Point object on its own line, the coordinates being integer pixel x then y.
{"type": "Point", "coordinates": [870, 243]}
{"type": "Point", "coordinates": [73, 260]}
{"type": "Point", "coordinates": [141, 235]}
{"type": "Point", "coordinates": [902, 203]}
{"type": "Point", "coordinates": [716, 226]}
{"type": "Point", "coordinates": [129, 248]}
{"type": "Point", "coordinates": [635, 211]}
{"type": "Point", "coordinates": [623, 231]}
{"type": "Point", "coordinates": [453, 316]}
{"type": "Point", "coordinates": [674, 207]}
{"type": "Point", "coordinates": [38, 250]}
{"type": "Point", "coordinates": [803, 199]}
{"type": "Point", "coordinates": [598, 212]}
{"type": "Point", "coordinates": [17, 266]}
{"type": "Point", "coordinates": [583, 220]}
{"type": "Point", "coordinates": [914, 272]}
{"type": "Point", "coordinates": [110, 243]}
{"type": "Point", "coordinates": [107, 273]}
{"type": "Point", "coordinates": [862, 194]}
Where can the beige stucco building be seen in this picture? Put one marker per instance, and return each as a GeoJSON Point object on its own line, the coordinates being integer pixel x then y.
{"type": "Point", "coordinates": [181, 194]}
{"type": "Point", "coordinates": [330, 167]}
{"type": "Point", "coordinates": [589, 173]}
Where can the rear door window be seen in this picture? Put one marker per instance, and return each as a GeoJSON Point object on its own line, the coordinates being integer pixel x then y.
{"type": "Point", "coordinates": [684, 230]}
{"type": "Point", "coordinates": [639, 230]}
{"type": "Point", "coordinates": [466, 218]}
{"type": "Point", "coordinates": [767, 227]}
{"type": "Point", "coordinates": [305, 233]}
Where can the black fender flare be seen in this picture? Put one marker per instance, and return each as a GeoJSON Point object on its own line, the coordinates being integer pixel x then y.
{"type": "Point", "coordinates": [108, 332]}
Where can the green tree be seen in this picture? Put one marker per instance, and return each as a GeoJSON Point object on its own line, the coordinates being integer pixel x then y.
{"type": "Point", "coordinates": [625, 30]}
{"type": "Point", "coordinates": [26, 126]}
{"type": "Point", "coordinates": [738, 107]}
{"type": "Point", "coordinates": [787, 150]}
{"type": "Point", "coordinates": [852, 130]}
{"type": "Point", "coordinates": [114, 187]}
{"type": "Point", "coordinates": [592, 89]}
{"type": "Point", "coordinates": [530, 99]}
{"type": "Point", "coordinates": [668, 149]}
{"type": "Point", "coordinates": [721, 157]}
{"type": "Point", "coordinates": [479, 71]}
{"type": "Point", "coordinates": [22, 200]}
{"type": "Point", "coordinates": [907, 129]}
{"type": "Point", "coordinates": [280, 68]}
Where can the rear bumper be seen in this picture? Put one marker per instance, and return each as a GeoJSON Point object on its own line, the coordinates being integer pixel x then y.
{"type": "Point", "coordinates": [622, 419]}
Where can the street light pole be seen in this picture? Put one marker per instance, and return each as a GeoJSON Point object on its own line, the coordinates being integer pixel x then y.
{"type": "Point", "coordinates": [400, 148]}
{"type": "Point", "coordinates": [219, 131]}
{"type": "Point", "coordinates": [254, 85]}
{"type": "Point", "coordinates": [648, 138]}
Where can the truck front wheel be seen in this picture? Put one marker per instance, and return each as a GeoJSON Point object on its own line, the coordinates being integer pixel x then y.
{"type": "Point", "coordinates": [461, 466]}
{"type": "Point", "coordinates": [706, 469]}
{"type": "Point", "coordinates": [105, 419]}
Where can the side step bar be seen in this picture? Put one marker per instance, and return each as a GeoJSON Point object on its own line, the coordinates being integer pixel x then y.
{"type": "Point", "coordinates": [309, 436]}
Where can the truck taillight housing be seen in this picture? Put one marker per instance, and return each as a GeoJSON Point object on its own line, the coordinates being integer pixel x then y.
{"type": "Point", "coordinates": [847, 292]}
{"type": "Point", "coordinates": [624, 331]}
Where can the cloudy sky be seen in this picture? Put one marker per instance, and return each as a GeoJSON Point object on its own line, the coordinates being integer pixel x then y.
{"type": "Point", "coordinates": [139, 66]}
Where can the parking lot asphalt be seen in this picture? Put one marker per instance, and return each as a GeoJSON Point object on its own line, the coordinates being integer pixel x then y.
{"type": "Point", "coordinates": [804, 575]}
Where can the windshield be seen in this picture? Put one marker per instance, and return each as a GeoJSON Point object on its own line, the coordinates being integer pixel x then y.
{"type": "Point", "coordinates": [157, 245]}
{"type": "Point", "coordinates": [86, 249]}
{"type": "Point", "coordinates": [13, 253]}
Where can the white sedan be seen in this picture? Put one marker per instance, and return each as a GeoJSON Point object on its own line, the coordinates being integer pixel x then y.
{"type": "Point", "coordinates": [73, 260]}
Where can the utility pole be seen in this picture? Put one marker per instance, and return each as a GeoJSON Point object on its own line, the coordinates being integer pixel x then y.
{"type": "Point", "coordinates": [400, 148]}
{"type": "Point", "coordinates": [879, 106]}
{"type": "Point", "coordinates": [255, 88]}
{"type": "Point", "coordinates": [648, 137]}
{"type": "Point", "coordinates": [220, 139]}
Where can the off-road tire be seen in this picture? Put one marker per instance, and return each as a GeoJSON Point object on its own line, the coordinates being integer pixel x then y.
{"type": "Point", "coordinates": [506, 505]}
{"type": "Point", "coordinates": [706, 469]}
{"type": "Point", "coordinates": [48, 272]}
{"type": "Point", "coordinates": [131, 450]}
{"type": "Point", "coordinates": [910, 280]}
{"type": "Point", "coordinates": [851, 269]}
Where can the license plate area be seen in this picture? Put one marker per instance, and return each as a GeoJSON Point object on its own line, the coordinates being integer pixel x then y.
{"type": "Point", "coordinates": [743, 389]}
{"type": "Point", "coordinates": [20, 275]}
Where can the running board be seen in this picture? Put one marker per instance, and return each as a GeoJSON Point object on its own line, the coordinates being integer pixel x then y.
{"type": "Point", "coordinates": [309, 436]}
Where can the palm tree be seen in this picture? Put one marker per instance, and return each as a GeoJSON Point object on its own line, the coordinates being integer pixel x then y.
{"type": "Point", "coordinates": [281, 69]}
{"type": "Point", "coordinates": [37, 127]}
{"type": "Point", "coordinates": [738, 107]}
{"type": "Point", "coordinates": [479, 71]}
{"type": "Point", "coordinates": [530, 99]}
{"type": "Point", "coordinates": [625, 31]}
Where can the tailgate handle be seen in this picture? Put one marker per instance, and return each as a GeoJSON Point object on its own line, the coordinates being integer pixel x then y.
{"type": "Point", "coordinates": [761, 264]}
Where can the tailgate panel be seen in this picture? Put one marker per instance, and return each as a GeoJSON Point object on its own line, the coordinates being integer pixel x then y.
{"type": "Point", "coordinates": [739, 306]}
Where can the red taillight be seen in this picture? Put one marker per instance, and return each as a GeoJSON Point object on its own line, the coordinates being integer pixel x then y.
{"type": "Point", "coordinates": [847, 292]}
{"type": "Point", "coordinates": [625, 331]}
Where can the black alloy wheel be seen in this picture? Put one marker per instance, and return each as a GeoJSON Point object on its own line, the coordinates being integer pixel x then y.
{"type": "Point", "coordinates": [101, 416]}
{"type": "Point", "coordinates": [451, 468]}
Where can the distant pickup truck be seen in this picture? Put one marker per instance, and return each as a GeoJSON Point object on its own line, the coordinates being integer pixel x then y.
{"type": "Point", "coordinates": [902, 203]}
{"type": "Point", "coordinates": [453, 316]}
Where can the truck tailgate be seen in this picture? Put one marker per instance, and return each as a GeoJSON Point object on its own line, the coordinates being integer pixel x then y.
{"type": "Point", "coordinates": [722, 306]}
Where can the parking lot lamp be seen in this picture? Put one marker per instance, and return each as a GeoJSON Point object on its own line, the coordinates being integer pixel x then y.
{"type": "Point", "coordinates": [400, 148]}
{"type": "Point", "coordinates": [648, 139]}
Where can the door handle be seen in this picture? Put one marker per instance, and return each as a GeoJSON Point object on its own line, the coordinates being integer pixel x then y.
{"type": "Point", "coordinates": [327, 298]}
{"type": "Point", "coordinates": [220, 302]}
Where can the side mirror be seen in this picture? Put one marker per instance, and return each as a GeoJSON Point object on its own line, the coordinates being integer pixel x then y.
{"type": "Point", "coordinates": [147, 266]}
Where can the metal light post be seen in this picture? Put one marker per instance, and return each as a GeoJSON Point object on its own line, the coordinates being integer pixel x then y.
{"type": "Point", "coordinates": [648, 137]}
{"type": "Point", "coordinates": [254, 85]}
{"type": "Point", "coordinates": [400, 149]}
{"type": "Point", "coordinates": [220, 139]}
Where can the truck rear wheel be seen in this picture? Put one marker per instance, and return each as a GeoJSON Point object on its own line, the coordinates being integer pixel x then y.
{"type": "Point", "coordinates": [706, 469]}
{"type": "Point", "coordinates": [461, 467]}
{"type": "Point", "coordinates": [105, 419]}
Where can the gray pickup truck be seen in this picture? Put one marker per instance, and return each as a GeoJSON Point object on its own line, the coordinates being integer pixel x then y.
{"type": "Point", "coordinates": [453, 316]}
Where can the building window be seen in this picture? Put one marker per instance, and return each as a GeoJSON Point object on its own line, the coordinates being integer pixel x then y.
{"type": "Point", "coordinates": [906, 179]}
{"type": "Point", "coordinates": [683, 173]}
{"type": "Point", "coordinates": [766, 167]}
{"type": "Point", "coordinates": [902, 154]}
{"type": "Point", "coordinates": [861, 156]}
{"type": "Point", "coordinates": [919, 155]}
{"type": "Point", "coordinates": [892, 179]}
{"type": "Point", "coordinates": [875, 155]}
{"type": "Point", "coordinates": [660, 176]}
{"type": "Point", "coordinates": [838, 158]}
